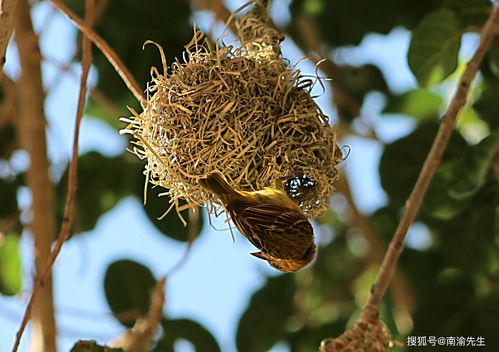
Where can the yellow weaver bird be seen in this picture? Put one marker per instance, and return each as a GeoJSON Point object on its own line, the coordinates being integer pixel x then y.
{"type": "Point", "coordinates": [270, 220]}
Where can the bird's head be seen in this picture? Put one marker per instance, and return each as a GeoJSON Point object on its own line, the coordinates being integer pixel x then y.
{"type": "Point", "coordinates": [288, 265]}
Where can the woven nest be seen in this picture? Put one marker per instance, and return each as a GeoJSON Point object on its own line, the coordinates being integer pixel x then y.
{"type": "Point", "coordinates": [368, 334]}
{"type": "Point", "coordinates": [242, 111]}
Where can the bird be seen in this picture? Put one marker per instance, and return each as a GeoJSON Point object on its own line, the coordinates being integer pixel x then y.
{"type": "Point", "coordinates": [270, 220]}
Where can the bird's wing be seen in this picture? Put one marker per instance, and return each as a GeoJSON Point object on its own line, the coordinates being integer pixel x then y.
{"type": "Point", "coordinates": [279, 231]}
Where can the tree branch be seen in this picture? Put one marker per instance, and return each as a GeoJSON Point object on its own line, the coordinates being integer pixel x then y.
{"type": "Point", "coordinates": [43, 272]}
{"type": "Point", "coordinates": [31, 131]}
{"type": "Point", "coordinates": [432, 161]}
{"type": "Point", "coordinates": [140, 337]}
{"type": "Point", "coordinates": [7, 9]}
{"type": "Point", "coordinates": [109, 53]}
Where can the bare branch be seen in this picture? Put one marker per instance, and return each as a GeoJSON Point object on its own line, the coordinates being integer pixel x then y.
{"type": "Point", "coordinates": [139, 339]}
{"type": "Point", "coordinates": [43, 275]}
{"type": "Point", "coordinates": [7, 9]}
{"type": "Point", "coordinates": [31, 130]}
{"type": "Point", "coordinates": [109, 53]}
{"type": "Point", "coordinates": [432, 161]}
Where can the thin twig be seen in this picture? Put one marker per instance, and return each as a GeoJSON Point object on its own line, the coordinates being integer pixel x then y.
{"type": "Point", "coordinates": [72, 182]}
{"type": "Point", "coordinates": [432, 161]}
{"type": "Point", "coordinates": [192, 231]}
{"type": "Point", "coordinates": [109, 53]}
{"type": "Point", "coordinates": [95, 93]}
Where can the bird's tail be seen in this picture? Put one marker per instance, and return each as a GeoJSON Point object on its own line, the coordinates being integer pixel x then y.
{"type": "Point", "coordinates": [215, 183]}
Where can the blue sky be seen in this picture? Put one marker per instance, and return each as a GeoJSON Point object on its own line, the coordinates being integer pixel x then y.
{"type": "Point", "coordinates": [216, 283]}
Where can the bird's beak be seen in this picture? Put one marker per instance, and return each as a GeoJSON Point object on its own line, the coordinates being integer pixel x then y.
{"type": "Point", "coordinates": [261, 255]}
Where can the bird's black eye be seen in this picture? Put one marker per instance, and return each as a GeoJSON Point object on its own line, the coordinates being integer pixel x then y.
{"type": "Point", "coordinates": [278, 267]}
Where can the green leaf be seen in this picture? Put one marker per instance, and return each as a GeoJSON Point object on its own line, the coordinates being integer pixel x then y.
{"type": "Point", "coordinates": [8, 197]}
{"type": "Point", "coordinates": [494, 57]}
{"type": "Point", "coordinates": [486, 104]}
{"type": "Point", "coordinates": [92, 346]}
{"type": "Point", "coordinates": [357, 82]}
{"type": "Point", "coordinates": [439, 304]}
{"type": "Point", "coordinates": [128, 286]}
{"type": "Point", "coordinates": [8, 141]}
{"type": "Point", "coordinates": [385, 221]}
{"type": "Point", "coordinates": [332, 275]}
{"type": "Point", "coordinates": [402, 160]}
{"type": "Point", "coordinates": [443, 280]}
{"type": "Point", "coordinates": [102, 183]}
{"type": "Point", "coordinates": [470, 12]}
{"type": "Point", "coordinates": [333, 19]}
{"type": "Point", "coordinates": [452, 306]}
{"type": "Point", "coordinates": [476, 166]}
{"type": "Point", "coordinates": [420, 266]}
{"type": "Point", "coordinates": [111, 115]}
{"type": "Point", "coordinates": [420, 104]}
{"type": "Point", "coordinates": [471, 125]}
{"type": "Point", "coordinates": [313, 7]}
{"type": "Point", "coordinates": [438, 202]}
{"type": "Point", "coordinates": [466, 238]}
{"type": "Point", "coordinates": [10, 264]}
{"type": "Point", "coordinates": [301, 340]}
{"type": "Point", "coordinates": [195, 333]}
{"type": "Point", "coordinates": [263, 323]}
{"type": "Point", "coordinates": [170, 225]}
{"type": "Point", "coordinates": [457, 180]}
{"type": "Point", "coordinates": [434, 47]}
